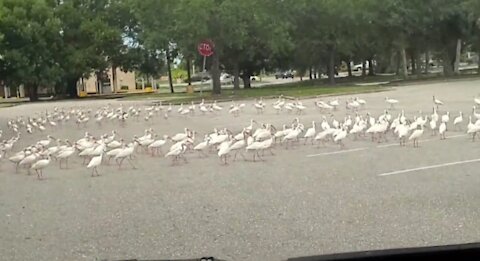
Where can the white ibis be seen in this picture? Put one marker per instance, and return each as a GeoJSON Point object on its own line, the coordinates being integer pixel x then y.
{"type": "Point", "coordinates": [216, 107]}
{"type": "Point", "coordinates": [391, 101]}
{"type": "Point", "coordinates": [458, 120]}
{"type": "Point", "coordinates": [40, 165]}
{"type": "Point", "coordinates": [180, 136]}
{"type": "Point", "coordinates": [473, 129]}
{"type": "Point", "coordinates": [402, 134]}
{"type": "Point", "coordinates": [293, 135]}
{"type": "Point", "coordinates": [203, 145]}
{"type": "Point", "coordinates": [362, 102]}
{"type": "Point", "coordinates": [238, 146]}
{"type": "Point", "coordinates": [157, 145]}
{"type": "Point", "coordinates": [234, 110]}
{"type": "Point", "coordinates": [29, 160]}
{"type": "Point", "coordinates": [180, 109]}
{"type": "Point", "coordinates": [126, 153]}
{"type": "Point", "coordinates": [476, 100]}
{"type": "Point", "coordinates": [475, 114]}
{"type": "Point", "coordinates": [446, 117]}
{"type": "Point", "coordinates": [433, 126]}
{"type": "Point", "coordinates": [255, 147]}
{"type": "Point", "coordinates": [176, 153]}
{"type": "Point", "coordinates": [310, 133]}
{"type": "Point", "coordinates": [17, 158]}
{"type": "Point", "coordinates": [334, 103]}
{"type": "Point", "coordinates": [224, 150]}
{"type": "Point", "coordinates": [340, 136]}
{"type": "Point", "coordinates": [64, 155]}
{"type": "Point", "coordinates": [442, 129]}
{"type": "Point", "coordinates": [45, 142]}
{"type": "Point", "coordinates": [203, 109]}
{"type": "Point", "coordinates": [437, 101]}
{"type": "Point", "coordinates": [94, 163]}
{"type": "Point", "coordinates": [416, 135]}
{"type": "Point", "coordinates": [435, 116]}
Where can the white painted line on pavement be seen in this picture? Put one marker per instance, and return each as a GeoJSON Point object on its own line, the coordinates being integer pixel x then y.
{"type": "Point", "coordinates": [429, 167]}
{"type": "Point", "coordinates": [379, 146]}
{"type": "Point", "coordinates": [336, 152]}
{"type": "Point", "coordinates": [421, 141]}
{"type": "Point", "coordinates": [388, 145]}
{"type": "Point", "coordinates": [457, 136]}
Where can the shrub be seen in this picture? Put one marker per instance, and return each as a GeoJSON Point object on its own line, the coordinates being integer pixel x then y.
{"type": "Point", "coordinates": [179, 74]}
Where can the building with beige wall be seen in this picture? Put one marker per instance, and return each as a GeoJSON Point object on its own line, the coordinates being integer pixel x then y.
{"type": "Point", "coordinates": [125, 82]}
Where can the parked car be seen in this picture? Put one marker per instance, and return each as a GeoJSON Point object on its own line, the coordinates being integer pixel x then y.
{"type": "Point", "coordinates": [226, 78]}
{"type": "Point", "coordinates": [198, 78]}
{"type": "Point", "coordinates": [254, 78]}
{"type": "Point", "coordinates": [284, 75]}
{"type": "Point", "coordinates": [359, 67]}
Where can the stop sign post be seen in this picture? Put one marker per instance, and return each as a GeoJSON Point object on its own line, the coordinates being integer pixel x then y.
{"type": "Point", "coordinates": [205, 48]}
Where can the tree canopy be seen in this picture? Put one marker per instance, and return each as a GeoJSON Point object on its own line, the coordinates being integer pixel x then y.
{"type": "Point", "coordinates": [54, 43]}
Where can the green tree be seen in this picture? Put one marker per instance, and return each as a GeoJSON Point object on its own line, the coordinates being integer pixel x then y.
{"type": "Point", "coordinates": [264, 37]}
{"type": "Point", "coordinates": [31, 35]}
{"type": "Point", "coordinates": [323, 29]}
{"type": "Point", "coordinates": [93, 38]}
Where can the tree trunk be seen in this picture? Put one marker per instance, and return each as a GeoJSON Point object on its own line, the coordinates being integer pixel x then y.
{"type": "Point", "coordinates": [413, 61]}
{"type": "Point", "coordinates": [114, 78]}
{"type": "Point", "coordinates": [478, 63]}
{"type": "Point", "coordinates": [447, 64]}
{"type": "Point", "coordinates": [478, 57]}
{"type": "Point", "coordinates": [398, 63]}
{"type": "Point", "coordinates": [236, 76]}
{"type": "Point", "coordinates": [246, 81]}
{"type": "Point", "coordinates": [33, 92]}
{"type": "Point", "coordinates": [99, 82]}
{"type": "Point", "coordinates": [310, 73]}
{"type": "Point", "coordinates": [169, 69]}
{"type": "Point", "coordinates": [371, 68]}
{"type": "Point", "coordinates": [331, 66]}
{"type": "Point", "coordinates": [72, 87]}
{"type": "Point", "coordinates": [349, 68]}
{"type": "Point", "coordinates": [427, 61]}
{"type": "Point", "coordinates": [364, 68]}
{"type": "Point", "coordinates": [457, 56]}
{"type": "Point", "coordinates": [404, 63]}
{"type": "Point", "coordinates": [392, 63]}
{"type": "Point", "coordinates": [215, 73]}
{"type": "Point", "coordinates": [189, 75]}
{"type": "Point", "coordinates": [59, 89]}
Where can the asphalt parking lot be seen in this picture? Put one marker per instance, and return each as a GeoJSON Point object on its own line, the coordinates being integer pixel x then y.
{"type": "Point", "coordinates": [301, 201]}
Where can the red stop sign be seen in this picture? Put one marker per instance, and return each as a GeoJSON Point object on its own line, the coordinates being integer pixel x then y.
{"type": "Point", "coordinates": [205, 48]}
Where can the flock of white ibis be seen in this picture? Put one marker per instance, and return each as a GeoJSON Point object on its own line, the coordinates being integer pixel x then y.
{"type": "Point", "coordinates": [249, 142]}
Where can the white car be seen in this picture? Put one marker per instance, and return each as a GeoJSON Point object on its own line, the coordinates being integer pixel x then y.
{"type": "Point", "coordinates": [226, 78]}
{"type": "Point", "coordinates": [358, 67]}
{"type": "Point", "coordinates": [254, 78]}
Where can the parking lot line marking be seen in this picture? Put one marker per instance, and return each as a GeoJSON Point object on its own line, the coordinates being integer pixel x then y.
{"type": "Point", "coordinates": [379, 146]}
{"type": "Point", "coordinates": [335, 152]}
{"type": "Point", "coordinates": [421, 141]}
{"type": "Point", "coordinates": [457, 136]}
{"type": "Point", "coordinates": [388, 145]}
{"type": "Point", "coordinates": [429, 167]}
